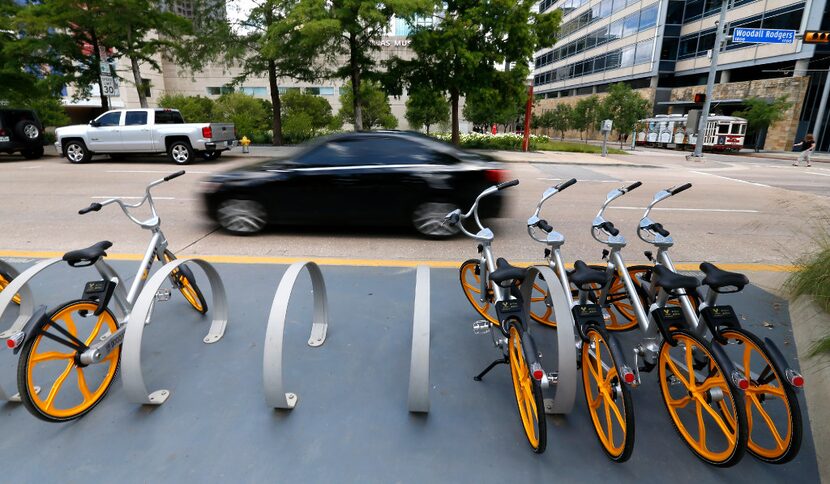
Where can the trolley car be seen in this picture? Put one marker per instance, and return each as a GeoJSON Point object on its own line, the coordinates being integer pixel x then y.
{"type": "Point", "coordinates": [723, 133]}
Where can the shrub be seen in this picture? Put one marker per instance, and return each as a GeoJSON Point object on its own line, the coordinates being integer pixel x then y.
{"type": "Point", "coordinates": [194, 109]}
{"type": "Point", "coordinates": [813, 279]}
{"type": "Point", "coordinates": [247, 113]}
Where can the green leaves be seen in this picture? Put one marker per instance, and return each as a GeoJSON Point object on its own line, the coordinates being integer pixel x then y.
{"type": "Point", "coordinates": [761, 113]}
{"type": "Point", "coordinates": [624, 107]}
{"type": "Point", "coordinates": [426, 107]}
{"type": "Point", "coordinates": [375, 105]}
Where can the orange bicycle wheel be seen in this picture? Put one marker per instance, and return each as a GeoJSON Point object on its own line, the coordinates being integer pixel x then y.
{"type": "Point", "coordinates": [184, 280]}
{"type": "Point", "coordinates": [470, 277]}
{"type": "Point", "coordinates": [607, 396]}
{"type": "Point", "coordinates": [528, 394]}
{"type": "Point", "coordinates": [773, 415]}
{"type": "Point", "coordinates": [541, 307]}
{"type": "Point", "coordinates": [73, 389]}
{"type": "Point", "coordinates": [705, 407]}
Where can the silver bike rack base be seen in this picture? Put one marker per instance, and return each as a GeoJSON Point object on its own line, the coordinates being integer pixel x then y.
{"type": "Point", "coordinates": [132, 373]}
{"type": "Point", "coordinates": [565, 396]}
{"type": "Point", "coordinates": [272, 359]}
{"type": "Point", "coordinates": [419, 360]}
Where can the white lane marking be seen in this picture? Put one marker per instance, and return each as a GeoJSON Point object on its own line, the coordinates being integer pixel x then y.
{"type": "Point", "coordinates": [30, 167]}
{"type": "Point", "coordinates": [134, 198]}
{"type": "Point", "coordinates": [731, 179]}
{"type": "Point", "coordinates": [817, 173]}
{"type": "Point", "coordinates": [676, 209]}
{"type": "Point", "coordinates": [157, 171]}
{"type": "Point", "coordinates": [589, 181]}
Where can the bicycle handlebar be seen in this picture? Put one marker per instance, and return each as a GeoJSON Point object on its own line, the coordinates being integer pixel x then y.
{"type": "Point", "coordinates": [565, 185]}
{"type": "Point", "coordinates": [93, 207]}
{"type": "Point", "coordinates": [654, 228]}
{"type": "Point", "coordinates": [153, 220]}
{"type": "Point", "coordinates": [631, 187]}
{"type": "Point", "coordinates": [535, 221]}
{"type": "Point", "coordinates": [676, 190]}
{"type": "Point", "coordinates": [455, 217]}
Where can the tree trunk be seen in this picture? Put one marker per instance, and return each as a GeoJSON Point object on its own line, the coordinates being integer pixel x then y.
{"type": "Point", "coordinates": [355, 75]}
{"type": "Point", "coordinates": [105, 105]}
{"type": "Point", "coordinates": [276, 112]}
{"type": "Point", "coordinates": [427, 129]}
{"type": "Point", "coordinates": [139, 82]}
{"type": "Point", "coordinates": [454, 95]}
{"type": "Point", "coordinates": [759, 137]}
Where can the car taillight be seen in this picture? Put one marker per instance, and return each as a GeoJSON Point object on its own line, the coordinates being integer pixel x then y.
{"type": "Point", "coordinates": [2, 132]}
{"type": "Point", "coordinates": [496, 176]}
{"type": "Point", "coordinates": [207, 132]}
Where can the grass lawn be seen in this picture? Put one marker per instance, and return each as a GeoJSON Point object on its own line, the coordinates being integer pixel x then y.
{"type": "Point", "coordinates": [576, 147]}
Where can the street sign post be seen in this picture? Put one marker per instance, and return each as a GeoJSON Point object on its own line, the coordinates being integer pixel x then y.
{"type": "Point", "coordinates": [607, 125]}
{"type": "Point", "coordinates": [762, 36]}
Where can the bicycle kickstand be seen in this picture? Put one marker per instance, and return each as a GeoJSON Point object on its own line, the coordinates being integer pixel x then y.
{"type": "Point", "coordinates": [501, 361]}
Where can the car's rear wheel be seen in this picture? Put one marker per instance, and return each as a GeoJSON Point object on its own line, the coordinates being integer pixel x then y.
{"type": "Point", "coordinates": [428, 219]}
{"type": "Point", "coordinates": [76, 152]}
{"type": "Point", "coordinates": [32, 152]}
{"type": "Point", "coordinates": [27, 131]}
{"type": "Point", "coordinates": [180, 152]}
{"type": "Point", "coordinates": [241, 217]}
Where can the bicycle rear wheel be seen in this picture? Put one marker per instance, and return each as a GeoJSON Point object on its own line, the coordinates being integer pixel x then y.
{"type": "Point", "coordinates": [184, 280]}
{"type": "Point", "coordinates": [772, 411]}
{"type": "Point", "coordinates": [608, 398]}
{"type": "Point", "coordinates": [5, 279]}
{"type": "Point", "coordinates": [705, 407]}
{"type": "Point", "coordinates": [528, 393]}
{"type": "Point", "coordinates": [73, 389]}
{"type": "Point", "coordinates": [470, 277]}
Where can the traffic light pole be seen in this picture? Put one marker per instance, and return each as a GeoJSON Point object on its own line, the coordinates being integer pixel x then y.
{"type": "Point", "coordinates": [710, 84]}
{"type": "Point", "coordinates": [821, 107]}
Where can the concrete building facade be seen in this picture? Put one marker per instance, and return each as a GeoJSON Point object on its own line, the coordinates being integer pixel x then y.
{"type": "Point", "coordinates": [663, 48]}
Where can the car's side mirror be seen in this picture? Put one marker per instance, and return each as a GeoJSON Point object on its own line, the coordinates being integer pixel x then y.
{"type": "Point", "coordinates": [94, 123]}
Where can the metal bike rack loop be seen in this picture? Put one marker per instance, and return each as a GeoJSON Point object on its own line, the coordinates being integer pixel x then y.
{"type": "Point", "coordinates": [419, 360]}
{"type": "Point", "coordinates": [272, 360]}
{"type": "Point", "coordinates": [131, 369]}
{"type": "Point", "coordinates": [565, 395]}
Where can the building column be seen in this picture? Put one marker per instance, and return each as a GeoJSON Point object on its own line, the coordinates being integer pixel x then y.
{"type": "Point", "coordinates": [653, 82]}
{"type": "Point", "coordinates": [724, 76]}
{"type": "Point", "coordinates": [801, 67]}
{"type": "Point", "coordinates": [594, 89]}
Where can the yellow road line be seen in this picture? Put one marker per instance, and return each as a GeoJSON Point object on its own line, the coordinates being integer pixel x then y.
{"type": "Point", "coordinates": [330, 261]}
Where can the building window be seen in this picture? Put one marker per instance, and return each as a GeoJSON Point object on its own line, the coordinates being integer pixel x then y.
{"type": "Point", "coordinates": [648, 17]}
{"type": "Point", "coordinates": [254, 91]}
{"type": "Point", "coordinates": [217, 91]}
{"type": "Point", "coordinates": [644, 52]}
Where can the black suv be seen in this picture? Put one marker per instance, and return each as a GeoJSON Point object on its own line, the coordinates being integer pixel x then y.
{"type": "Point", "coordinates": [21, 130]}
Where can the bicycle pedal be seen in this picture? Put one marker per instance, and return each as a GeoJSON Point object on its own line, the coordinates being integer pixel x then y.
{"type": "Point", "coordinates": [163, 295]}
{"type": "Point", "coordinates": [482, 326]}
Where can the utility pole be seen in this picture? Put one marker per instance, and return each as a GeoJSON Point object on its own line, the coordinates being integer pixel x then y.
{"type": "Point", "coordinates": [821, 108]}
{"type": "Point", "coordinates": [710, 84]}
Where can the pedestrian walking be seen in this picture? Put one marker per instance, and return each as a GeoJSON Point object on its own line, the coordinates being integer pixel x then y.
{"type": "Point", "coordinates": [807, 145]}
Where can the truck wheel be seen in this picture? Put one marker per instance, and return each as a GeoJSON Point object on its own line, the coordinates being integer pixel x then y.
{"type": "Point", "coordinates": [32, 152]}
{"type": "Point", "coordinates": [76, 152]}
{"type": "Point", "coordinates": [180, 152]}
{"type": "Point", "coordinates": [27, 131]}
{"type": "Point", "coordinates": [210, 155]}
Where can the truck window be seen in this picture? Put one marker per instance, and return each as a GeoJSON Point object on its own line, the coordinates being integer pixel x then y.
{"type": "Point", "coordinates": [110, 119]}
{"type": "Point", "coordinates": [168, 117]}
{"type": "Point", "coordinates": [135, 118]}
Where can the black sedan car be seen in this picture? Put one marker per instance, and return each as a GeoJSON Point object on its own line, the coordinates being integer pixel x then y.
{"type": "Point", "coordinates": [372, 178]}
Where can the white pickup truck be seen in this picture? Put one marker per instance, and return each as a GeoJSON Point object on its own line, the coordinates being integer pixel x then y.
{"type": "Point", "coordinates": [144, 131]}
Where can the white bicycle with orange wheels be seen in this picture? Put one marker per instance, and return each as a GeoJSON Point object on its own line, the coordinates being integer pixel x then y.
{"type": "Point", "coordinates": [72, 351]}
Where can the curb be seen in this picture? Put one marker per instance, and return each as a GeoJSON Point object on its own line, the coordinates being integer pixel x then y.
{"type": "Point", "coordinates": [809, 324]}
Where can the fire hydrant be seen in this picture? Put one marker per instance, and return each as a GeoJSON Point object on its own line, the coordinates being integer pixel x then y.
{"type": "Point", "coordinates": [245, 142]}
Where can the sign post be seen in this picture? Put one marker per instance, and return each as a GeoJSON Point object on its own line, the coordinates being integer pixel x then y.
{"type": "Point", "coordinates": [607, 125]}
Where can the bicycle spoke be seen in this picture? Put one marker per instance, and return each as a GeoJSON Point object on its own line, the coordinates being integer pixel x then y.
{"type": "Point", "coordinates": [718, 420]}
{"type": "Point", "coordinates": [616, 410]}
{"type": "Point", "coordinates": [713, 382]}
{"type": "Point", "coordinates": [701, 426]}
{"type": "Point", "coordinates": [50, 399]}
{"type": "Point", "coordinates": [773, 429]}
{"type": "Point", "coordinates": [677, 372]}
{"type": "Point", "coordinates": [690, 367]}
{"type": "Point", "coordinates": [95, 330]}
{"type": "Point", "coordinates": [679, 403]}
{"type": "Point", "coordinates": [608, 423]}
{"type": "Point", "coordinates": [82, 386]}
{"type": "Point", "coordinates": [51, 356]}
{"type": "Point", "coordinates": [769, 390]}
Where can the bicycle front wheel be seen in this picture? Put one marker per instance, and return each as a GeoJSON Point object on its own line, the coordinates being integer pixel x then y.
{"type": "Point", "coordinates": [5, 280]}
{"type": "Point", "coordinates": [705, 407]}
{"type": "Point", "coordinates": [70, 389]}
{"type": "Point", "coordinates": [470, 276]}
{"type": "Point", "coordinates": [607, 396]}
{"type": "Point", "coordinates": [773, 414]}
{"type": "Point", "coordinates": [528, 393]}
{"type": "Point", "coordinates": [184, 280]}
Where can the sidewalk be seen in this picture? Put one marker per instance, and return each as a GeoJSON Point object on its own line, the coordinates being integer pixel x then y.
{"type": "Point", "coordinates": [785, 155]}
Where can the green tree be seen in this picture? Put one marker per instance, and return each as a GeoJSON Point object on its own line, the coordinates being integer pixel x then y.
{"type": "Point", "coordinates": [374, 104]}
{"type": "Point", "coordinates": [355, 29]}
{"type": "Point", "coordinates": [426, 107]}
{"type": "Point", "coordinates": [248, 114]}
{"type": "Point", "coordinates": [624, 107]}
{"type": "Point", "coordinates": [557, 119]}
{"type": "Point", "coordinates": [760, 114]}
{"type": "Point", "coordinates": [500, 103]}
{"type": "Point", "coordinates": [460, 53]}
{"type": "Point", "coordinates": [193, 108]}
{"type": "Point", "coordinates": [304, 115]}
{"type": "Point", "coordinates": [585, 115]}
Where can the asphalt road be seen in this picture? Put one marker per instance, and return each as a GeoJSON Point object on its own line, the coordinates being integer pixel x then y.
{"type": "Point", "coordinates": [740, 210]}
